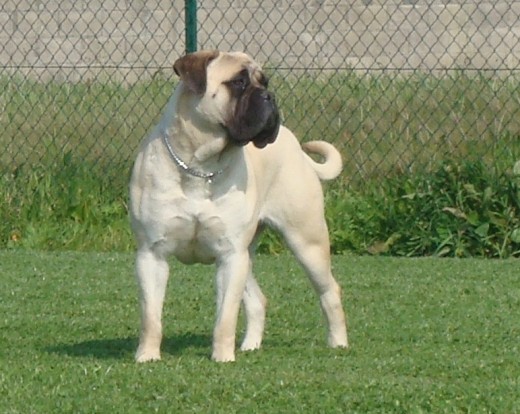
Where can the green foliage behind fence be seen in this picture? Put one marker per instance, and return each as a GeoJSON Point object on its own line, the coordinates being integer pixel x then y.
{"type": "Point", "coordinates": [423, 175]}
{"type": "Point", "coordinates": [422, 99]}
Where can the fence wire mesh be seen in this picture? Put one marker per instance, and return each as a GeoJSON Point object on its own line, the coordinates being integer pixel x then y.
{"type": "Point", "coordinates": [396, 85]}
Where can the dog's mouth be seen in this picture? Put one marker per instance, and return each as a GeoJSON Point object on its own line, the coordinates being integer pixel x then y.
{"type": "Point", "coordinates": [256, 119]}
{"type": "Point", "coordinates": [269, 133]}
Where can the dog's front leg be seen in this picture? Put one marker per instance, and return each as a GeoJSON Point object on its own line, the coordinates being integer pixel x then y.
{"type": "Point", "coordinates": [230, 284]}
{"type": "Point", "coordinates": [152, 276]}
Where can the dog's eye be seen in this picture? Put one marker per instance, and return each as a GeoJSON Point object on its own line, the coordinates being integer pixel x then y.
{"type": "Point", "coordinates": [239, 83]}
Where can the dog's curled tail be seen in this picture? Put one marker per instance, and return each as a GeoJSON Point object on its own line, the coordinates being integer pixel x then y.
{"type": "Point", "coordinates": [332, 165]}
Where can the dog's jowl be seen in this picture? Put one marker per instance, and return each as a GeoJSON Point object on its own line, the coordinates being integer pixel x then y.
{"type": "Point", "coordinates": [217, 169]}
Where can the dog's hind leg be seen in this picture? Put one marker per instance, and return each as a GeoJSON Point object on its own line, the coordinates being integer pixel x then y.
{"type": "Point", "coordinates": [254, 306]}
{"type": "Point", "coordinates": [310, 244]}
{"type": "Point", "coordinates": [232, 273]}
{"type": "Point", "coordinates": [152, 276]}
{"type": "Point", "coordinates": [254, 303]}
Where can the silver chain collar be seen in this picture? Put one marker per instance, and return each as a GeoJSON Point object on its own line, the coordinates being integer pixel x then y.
{"type": "Point", "coordinates": [183, 166]}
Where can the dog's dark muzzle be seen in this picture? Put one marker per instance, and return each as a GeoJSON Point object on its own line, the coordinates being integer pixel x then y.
{"type": "Point", "coordinates": [256, 119]}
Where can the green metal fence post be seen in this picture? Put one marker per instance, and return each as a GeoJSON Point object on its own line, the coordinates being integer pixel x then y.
{"type": "Point", "coordinates": [190, 11]}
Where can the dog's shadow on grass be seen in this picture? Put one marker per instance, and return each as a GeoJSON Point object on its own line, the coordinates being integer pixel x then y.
{"type": "Point", "coordinates": [124, 348]}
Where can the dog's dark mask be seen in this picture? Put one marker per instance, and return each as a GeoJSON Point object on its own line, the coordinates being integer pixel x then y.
{"type": "Point", "coordinates": [255, 118]}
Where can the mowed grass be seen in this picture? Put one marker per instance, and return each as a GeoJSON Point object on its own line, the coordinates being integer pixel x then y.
{"type": "Point", "coordinates": [427, 335]}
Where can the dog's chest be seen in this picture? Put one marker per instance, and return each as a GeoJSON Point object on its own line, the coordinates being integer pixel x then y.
{"type": "Point", "coordinates": [195, 229]}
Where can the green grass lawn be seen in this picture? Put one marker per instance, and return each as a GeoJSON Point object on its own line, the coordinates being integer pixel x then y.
{"type": "Point", "coordinates": [427, 335]}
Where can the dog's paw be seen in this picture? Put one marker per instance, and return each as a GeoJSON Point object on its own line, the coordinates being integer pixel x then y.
{"type": "Point", "coordinates": [250, 345]}
{"type": "Point", "coordinates": [147, 356]}
{"type": "Point", "coordinates": [223, 356]}
{"type": "Point", "coordinates": [224, 359]}
{"type": "Point", "coordinates": [335, 342]}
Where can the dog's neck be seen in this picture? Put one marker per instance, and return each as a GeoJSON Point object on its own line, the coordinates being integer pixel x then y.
{"type": "Point", "coordinates": [202, 142]}
{"type": "Point", "coordinates": [209, 176]}
{"type": "Point", "coordinates": [195, 145]}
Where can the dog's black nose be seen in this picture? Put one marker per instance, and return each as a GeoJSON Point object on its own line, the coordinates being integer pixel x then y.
{"type": "Point", "coordinates": [266, 95]}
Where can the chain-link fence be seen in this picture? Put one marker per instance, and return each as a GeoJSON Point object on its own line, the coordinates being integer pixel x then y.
{"type": "Point", "coordinates": [396, 85]}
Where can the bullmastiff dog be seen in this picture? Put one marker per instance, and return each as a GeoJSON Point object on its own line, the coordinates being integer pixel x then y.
{"type": "Point", "coordinates": [216, 169]}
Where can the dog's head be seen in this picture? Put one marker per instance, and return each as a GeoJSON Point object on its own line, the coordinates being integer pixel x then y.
{"type": "Point", "coordinates": [230, 91]}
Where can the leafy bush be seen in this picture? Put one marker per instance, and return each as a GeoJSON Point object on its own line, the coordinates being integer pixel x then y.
{"type": "Point", "coordinates": [461, 209]}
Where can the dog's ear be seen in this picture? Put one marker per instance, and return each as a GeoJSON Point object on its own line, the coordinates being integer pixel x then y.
{"type": "Point", "coordinates": [192, 69]}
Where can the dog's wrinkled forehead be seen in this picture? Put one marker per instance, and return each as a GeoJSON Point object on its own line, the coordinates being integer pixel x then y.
{"type": "Point", "coordinates": [229, 65]}
{"type": "Point", "coordinates": [210, 68]}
